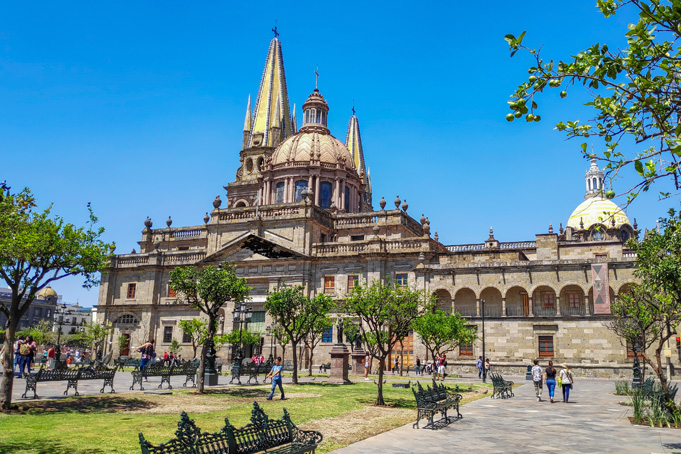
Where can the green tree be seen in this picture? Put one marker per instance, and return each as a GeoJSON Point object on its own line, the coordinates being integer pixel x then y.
{"type": "Point", "coordinates": [37, 249]}
{"type": "Point", "coordinates": [314, 337]}
{"type": "Point", "coordinates": [296, 315]}
{"type": "Point", "coordinates": [441, 332]}
{"type": "Point", "coordinates": [41, 332]}
{"type": "Point", "coordinates": [196, 330]}
{"type": "Point", "coordinates": [123, 343]}
{"type": "Point", "coordinates": [175, 347]}
{"type": "Point", "coordinates": [387, 313]}
{"type": "Point", "coordinates": [208, 289]}
{"type": "Point", "coordinates": [95, 335]}
{"type": "Point", "coordinates": [237, 337]}
{"type": "Point", "coordinates": [634, 92]}
{"type": "Point", "coordinates": [650, 313]}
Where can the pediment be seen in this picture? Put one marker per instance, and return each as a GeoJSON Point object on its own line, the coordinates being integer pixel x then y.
{"type": "Point", "coordinates": [252, 247]}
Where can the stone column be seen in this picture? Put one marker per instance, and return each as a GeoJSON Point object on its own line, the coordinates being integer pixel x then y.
{"type": "Point", "coordinates": [587, 308]}
{"type": "Point", "coordinates": [477, 307]}
{"type": "Point", "coordinates": [531, 306]}
{"type": "Point", "coordinates": [339, 365]}
{"type": "Point", "coordinates": [503, 307]}
{"type": "Point", "coordinates": [342, 195]}
{"type": "Point", "coordinates": [316, 192]}
{"type": "Point", "coordinates": [336, 193]}
{"type": "Point", "coordinates": [557, 306]}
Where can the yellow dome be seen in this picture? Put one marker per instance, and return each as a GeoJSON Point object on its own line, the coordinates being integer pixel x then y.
{"type": "Point", "coordinates": [597, 210]}
{"type": "Point", "coordinates": [312, 146]}
{"type": "Point", "coordinates": [47, 292]}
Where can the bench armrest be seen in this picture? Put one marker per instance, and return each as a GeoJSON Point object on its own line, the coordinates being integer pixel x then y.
{"type": "Point", "coordinates": [307, 437]}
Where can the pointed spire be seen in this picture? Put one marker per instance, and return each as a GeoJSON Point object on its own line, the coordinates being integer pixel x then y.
{"type": "Point", "coordinates": [247, 121]}
{"type": "Point", "coordinates": [353, 141]}
{"type": "Point", "coordinates": [272, 88]}
{"type": "Point", "coordinates": [294, 120]}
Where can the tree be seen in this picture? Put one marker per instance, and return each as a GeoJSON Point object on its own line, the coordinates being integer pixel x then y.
{"type": "Point", "coordinates": [650, 313]}
{"type": "Point", "coordinates": [442, 333]}
{"type": "Point", "coordinates": [196, 330]}
{"type": "Point", "coordinates": [95, 335]}
{"type": "Point", "coordinates": [208, 289]}
{"type": "Point", "coordinates": [123, 343]}
{"type": "Point", "coordinates": [296, 315]}
{"type": "Point", "coordinates": [175, 347]}
{"type": "Point", "coordinates": [37, 249]}
{"type": "Point", "coordinates": [387, 313]}
{"type": "Point", "coordinates": [237, 337]}
{"type": "Point", "coordinates": [635, 93]}
{"type": "Point", "coordinates": [314, 337]}
{"type": "Point", "coordinates": [41, 332]}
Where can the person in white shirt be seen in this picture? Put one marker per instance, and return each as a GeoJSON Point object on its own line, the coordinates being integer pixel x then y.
{"type": "Point", "coordinates": [567, 381]}
{"type": "Point", "coordinates": [537, 379]}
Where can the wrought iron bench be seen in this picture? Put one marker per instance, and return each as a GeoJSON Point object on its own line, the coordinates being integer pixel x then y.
{"type": "Point", "coordinates": [438, 399]}
{"type": "Point", "coordinates": [261, 435]}
{"type": "Point", "coordinates": [71, 376]}
{"type": "Point", "coordinates": [188, 369]}
{"type": "Point", "coordinates": [502, 388]}
{"type": "Point", "coordinates": [324, 367]}
{"type": "Point", "coordinates": [251, 369]}
{"type": "Point", "coordinates": [120, 363]}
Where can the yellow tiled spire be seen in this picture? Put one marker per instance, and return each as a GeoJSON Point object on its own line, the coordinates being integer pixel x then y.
{"type": "Point", "coordinates": [272, 88]}
{"type": "Point", "coordinates": [353, 141]}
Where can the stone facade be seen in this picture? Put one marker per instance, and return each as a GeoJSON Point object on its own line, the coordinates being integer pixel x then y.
{"type": "Point", "coordinates": [281, 225]}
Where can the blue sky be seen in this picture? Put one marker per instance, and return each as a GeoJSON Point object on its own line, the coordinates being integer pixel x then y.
{"type": "Point", "coordinates": [138, 107]}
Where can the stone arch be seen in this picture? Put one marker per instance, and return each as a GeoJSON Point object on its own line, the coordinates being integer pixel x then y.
{"type": "Point", "coordinates": [591, 299]}
{"type": "Point", "coordinates": [249, 165]}
{"type": "Point", "coordinates": [572, 300]}
{"type": "Point", "coordinates": [493, 306]}
{"type": "Point", "coordinates": [443, 300]}
{"type": "Point", "coordinates": [465, 302]}
{"type": "Point", "coordinates": [242, 203]}
{"type": "Point", "coordinates": [544, 301]}
{"type": "Point", "coordinates": [625, 287]}
{"type": "Point", "coordinates": [517, 302]}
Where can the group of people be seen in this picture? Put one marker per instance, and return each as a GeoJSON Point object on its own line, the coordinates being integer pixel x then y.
{"type": "Point", "coordinates": [171, 358]}
{"type": "Point", "coordinates": [482, 367]}
{"type": "Point", "coordinates": [24, 355]}
{"type": "Point", "coordinates": [258, 359]}
{"type": "Point", "coordinates": [564, 379]}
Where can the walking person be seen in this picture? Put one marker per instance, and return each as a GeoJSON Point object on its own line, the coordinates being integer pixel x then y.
{"type": "Point", "coordinates": [367, 367]}
{"type": "Point", "coordinates": [30, 358]}
{"type": "Point", "coordinates": [478, 364]}
{"type": "Point", "coordinates": [275, 375]}
{"type": "Point", "coordinates": [17, 355]}
{"type": "Point", "coordinates": [441, 367]}
{"type": "Point", "coordinates": [567, 381]}
{"type": "Point", "coordinates": [537, 379]}
{"type": "Point", "coordinates": [418, 366]}
{"type": "Point", "coordinates": [550, 379]}
{"type": "Point", "coordinates": [397, 365]}
{"type": "Point", "coordinates": [148, 353]}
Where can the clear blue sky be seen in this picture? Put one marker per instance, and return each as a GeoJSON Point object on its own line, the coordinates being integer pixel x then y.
{"type": "Point", "coordinates": [138, 107]}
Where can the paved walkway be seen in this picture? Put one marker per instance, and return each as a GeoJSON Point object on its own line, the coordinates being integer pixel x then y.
{"type": "Point", "coordinates": [592, 422]}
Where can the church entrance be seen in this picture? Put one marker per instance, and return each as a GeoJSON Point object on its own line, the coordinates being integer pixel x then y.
{"type": "Point", "coordinates": [404, 353]}
{"type": "Point", "coordinates": [126, 351]}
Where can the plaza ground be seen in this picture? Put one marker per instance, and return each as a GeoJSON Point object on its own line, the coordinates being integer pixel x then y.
{"type": "Point", "coordinates": [594, 421]}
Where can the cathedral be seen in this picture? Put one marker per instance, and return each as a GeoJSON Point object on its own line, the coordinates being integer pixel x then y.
{"type": "Point", "coordinates": [300, 210]}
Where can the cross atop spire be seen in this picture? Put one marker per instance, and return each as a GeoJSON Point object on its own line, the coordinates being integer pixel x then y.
{"type": "Point", "coordinates": [276, 33]}
{"type": "Point", "coordinates": [353, 107]}
{"type": "Point", "coordinates": [316, 80]}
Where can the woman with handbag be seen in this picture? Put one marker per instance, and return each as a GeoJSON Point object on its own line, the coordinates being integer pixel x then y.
{"type": "Point", "coordinates": [567, 380]}
{"type": "Point", "coordinates": [550, 379]}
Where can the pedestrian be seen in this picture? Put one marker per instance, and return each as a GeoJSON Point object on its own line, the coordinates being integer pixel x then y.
{"type": "Point", "coordinates": [166, 358]}
{"type": "Point", "coordinates": [478, 364]}
{"type": "Point", "coordinates": [275, 375]}
{"type": "Point", "coordinates": [32, 348]}
{"type": "Point", "coordinates": [537, 379]}
{"type": "Point", "coordinates": [51, 355]}
{"type": "Point", "coordinates": [550, 379]}
{"type": "Point", "coordinates": [396, 368]}
{"type": "Point", "coordinates": [148, 353]}
{"type": "Point", "coordinates": [367, 367]}
{"type": "Point", "coordinates": [567, 381]}
{"type": "Point", "coordinates": [443, 367]}
{"type": "Point", "coordinates": [17, 354]}
{"type": "Point", "coordinates": [418, 366]}
{"type": "Point", "coordinates": [486, 374]}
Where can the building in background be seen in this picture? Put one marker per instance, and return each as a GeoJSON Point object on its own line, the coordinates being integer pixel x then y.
{"type": "Point", "coordinates": [300, 210]}
{"type": "Point", "coordinates": [42, 308]}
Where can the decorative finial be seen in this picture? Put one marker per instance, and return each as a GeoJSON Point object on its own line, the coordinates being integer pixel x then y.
{"type": "Point", "coordinates": [423, 219]}
{"type": "Point", "coordinates": [376, 229]}
{"type": "Point", "coordinates": [491, 232]}
{"type": "Point", "coordinates": [316, 80]}
{"type": "Point", "coordinates": [276, 33]}
{"type": "Point", "coordinates": [635, 224]}
{"type": "Point", "coordinates": [206, 218]}
{"type": "Point", "coordinates": [169, 222]}
{"type": "Point", "coordinates": [561, 228]}
{"type": "Point", "coordinates": [612, 221]}
{"type": "Point", "coordinates": [147, 223]}
{"type": "Point", "coordinates": [581, 223]}
{"type": "Point", "coordinates": [382, 203]}
{"type": "Point", "coordinates": [550, 227]}
{"type": "Point", "coordinates": [217, 202]}
{"type": "Point", "coordinates": [405, 205]}
{"type": "Point", "coordinates": [397, 202]}
{"type": "Point", "coordinates": [436, 237]}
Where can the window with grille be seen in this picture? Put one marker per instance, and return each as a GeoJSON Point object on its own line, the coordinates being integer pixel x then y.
{"type": "Point", "coordinates": [167, 334]}
{"type": "Point", "coordinates": [401, 278]}
{"type": "Point", "coordinates": [126, 319]}
{"type": "Point", "coordinates": [573, 300]}
{"type": "Point", "coordinates": [132, 288]}
{"type": "Point", "coordinates": [279, 193]}
{"type": "Point", "coordinates": [186, 338]}
{"type": "Point", "coordinates": [466, 350]}
{"type": "Point", "coordinates": [546, 346]}
{"type": "Point", "coordinates": [352, 282]}
{"type": "Point", "coordinates": [329, 284]}
{"type": "Point", "coordinates": [257, 323]}
{"type": "Point", "coordinates": [548, 299]}
{"type": "Point", "coordinates": [327, 336]}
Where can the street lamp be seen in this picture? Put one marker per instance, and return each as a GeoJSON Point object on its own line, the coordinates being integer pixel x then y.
{"type": "Point", "coordinates": [242, 315]}
{"type": "Point", "coordinates": [59, 314]}
{"type": "Point", "coordinates": [484, 370]}
{"type": "Point", "coordinates": [270, 333]}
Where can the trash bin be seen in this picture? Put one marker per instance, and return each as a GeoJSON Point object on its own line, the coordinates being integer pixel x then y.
{"type": "Point", "coordinates": [528, 374]}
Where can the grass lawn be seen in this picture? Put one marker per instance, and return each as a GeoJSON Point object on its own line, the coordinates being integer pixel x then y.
{"type": "Point", "coordinates": [111, 423]}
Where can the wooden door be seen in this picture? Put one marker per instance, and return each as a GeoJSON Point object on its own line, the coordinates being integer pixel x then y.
{"type": "Point", "coordinates": [126, 350]}
{"type": "Point", "coordinates": [526, 304]}
{"type": "Point", "coordinates": [404, 352]}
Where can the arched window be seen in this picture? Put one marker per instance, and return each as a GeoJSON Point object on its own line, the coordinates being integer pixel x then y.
{"type": "Point", "coordinates": [126, 319]}
{"type": "Point", "coordinates": [624, 235]}
{"type": "Point", "coordinates": [595, 183]}
{"type": "Point", "coordinates": [325, 195]}
{"type": "Point", "coordinates": [300, 185]}
{"type": "Point", "coordinates": [347, 199]}
{"type": "Point", "coordinates": [588, 182]}
{"type": "Point", "coordinates": [279, 193]}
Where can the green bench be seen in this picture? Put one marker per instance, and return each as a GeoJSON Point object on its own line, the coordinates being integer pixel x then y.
{"type": "Point", "coordinates": [438, 399]}
{"type": "Point", "coordinates": [502, 388]}
{"type": "Point", "coordinates": [266, 435]}
{"type": "Point", "coordinates": [159, 369]}
{"type": "Point", "coordinates": [72, 376]}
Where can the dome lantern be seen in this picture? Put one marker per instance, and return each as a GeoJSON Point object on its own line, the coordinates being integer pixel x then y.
{"type": "Point", "coordinates": [315, 114]}
{"type": "Point", "coordinates": [594, 180]}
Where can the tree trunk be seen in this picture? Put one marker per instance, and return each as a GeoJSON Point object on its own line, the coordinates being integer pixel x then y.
{"type": "Point", "coordinates": [401, 358]}
{"type": "Point", "coordinates": [294, 346]}
{"type": "Point", "coordinates": [309, 373]}
{"type": "Point", "coordinates": [8, 372]}
{"type": "Point", "coordinates": [379, 397]}
{"type": "Point", "coordinates": [204, 353]}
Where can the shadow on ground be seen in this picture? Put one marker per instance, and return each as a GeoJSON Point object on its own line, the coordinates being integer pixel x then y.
{"type": "Point", "coordinates": [108, 404]}
{"type": "Point", "coordinates": [42, 447]}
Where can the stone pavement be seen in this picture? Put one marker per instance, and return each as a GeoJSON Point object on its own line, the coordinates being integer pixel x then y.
{"type": "Point", "coordinates": [592, 422]}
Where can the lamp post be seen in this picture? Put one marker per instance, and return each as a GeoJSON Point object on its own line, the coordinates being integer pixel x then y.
{"type": "Point", "coordinates": [484, 370]}
{"type": "Point", "coordinates": [636, 382]}
{"type": "Point", "coordinates": [60, 321]}
{"type": "Point", "coordinates": [270, 333]}
{"type": "Point", "coordinates": [242, 315]}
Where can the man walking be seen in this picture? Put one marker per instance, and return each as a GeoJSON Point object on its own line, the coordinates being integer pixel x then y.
{"type": "Point", "coordinates": [275, 375]}
{"type": "Point", "coordinates": [537, 379]}
{"type": "Point", "coordinates": [478, 364]}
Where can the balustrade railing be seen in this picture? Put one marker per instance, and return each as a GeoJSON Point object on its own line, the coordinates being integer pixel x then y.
{"type": "Point", "coordinates": [493, 311]}
{"type": "Point", "coordinates": [572, 311]}
{"type": "Point", "coordinates": [465, 247]}
{"type": "Point", "coordinates": [186, 234]}
{"type": "Point", "coordinates": [515, 311]}
{"type": "Point", "coordinates": [466, 311]}
{"type": "Point", "coordinates": [132, 260]}
{"type": "Point", "coordinates": [541, 311]}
